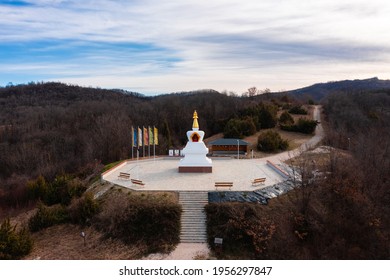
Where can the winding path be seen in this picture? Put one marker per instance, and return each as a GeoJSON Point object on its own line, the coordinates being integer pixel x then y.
{"type": "Point", "coordinates": [319, 134]}
{"type": "Point", "coordinates": [187, 251]}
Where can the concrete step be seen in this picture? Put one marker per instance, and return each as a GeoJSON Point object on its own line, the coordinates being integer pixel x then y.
{"type": "Point", "coordinates": [197, 231]}
{"type": "Point", "coordinates": [194, 236]}
{"type": "Point", "coordinates": [192, 241]}
{"type": "Point", "coordinates": [194, 232]}
{"type": "Point", "coordinates": [190, 222]}
{"type": "Point", "coordinates": [193, 219]}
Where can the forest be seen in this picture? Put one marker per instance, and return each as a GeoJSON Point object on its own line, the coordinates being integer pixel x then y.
{"type": "Point", "coordinates": [58, 136]}
{"type": "Point", "coordinates": [52, 128]}
{"type": "Point", "coordinates": [340, 208]}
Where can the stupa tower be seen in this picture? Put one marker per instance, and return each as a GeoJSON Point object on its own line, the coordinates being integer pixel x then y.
{"type": "Point", "coordinates": [195, 159]}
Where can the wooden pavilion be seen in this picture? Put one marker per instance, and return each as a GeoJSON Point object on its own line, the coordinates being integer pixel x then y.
{"type": "Point", "coordinates": [228, 146]}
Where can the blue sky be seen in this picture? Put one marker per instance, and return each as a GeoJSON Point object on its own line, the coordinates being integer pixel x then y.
{"type": "Point", "coordinates": [154, 46]}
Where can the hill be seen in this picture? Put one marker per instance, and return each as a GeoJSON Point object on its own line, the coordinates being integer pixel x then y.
{"type": "Point", "coordinates": [319, 91]}
{"type": "Point", "coordinates": [50, 129]}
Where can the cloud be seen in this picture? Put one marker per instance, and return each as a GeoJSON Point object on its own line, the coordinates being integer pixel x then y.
{"type": "Point", "coordinates": [15, 3]}
{"type": "Point", "coordinates": [180, 43]}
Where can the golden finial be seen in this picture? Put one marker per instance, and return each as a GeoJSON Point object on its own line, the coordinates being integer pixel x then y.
{"type": "Point", "coordinates": [195, 123]}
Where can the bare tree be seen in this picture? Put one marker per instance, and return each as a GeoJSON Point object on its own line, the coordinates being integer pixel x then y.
{"type": "Point", "coordinates": [252, 91]}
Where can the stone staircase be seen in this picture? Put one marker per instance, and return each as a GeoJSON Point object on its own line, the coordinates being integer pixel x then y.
{"type": "Point", "coordinates": [193, 217]}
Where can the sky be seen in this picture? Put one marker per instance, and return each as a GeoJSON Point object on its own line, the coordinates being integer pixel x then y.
{"type": "Point", "coordinates": [155, 46]}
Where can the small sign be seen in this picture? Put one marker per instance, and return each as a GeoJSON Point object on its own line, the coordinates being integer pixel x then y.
{"type": "Point", "coordinates": [171, 153]}
{"type": "Point", "coordinates": [218, 240]}
{"type": "Point", "coordinates": [177, 153]}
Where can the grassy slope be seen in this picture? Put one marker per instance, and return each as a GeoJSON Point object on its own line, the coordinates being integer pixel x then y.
{"type": "Point", "coordinates": [64, 242]}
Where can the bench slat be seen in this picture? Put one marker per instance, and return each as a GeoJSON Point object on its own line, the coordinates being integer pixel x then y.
{"type": "Point", "coordinates": [223, 185]}
{"type": "Point", "coordinates": [137, 182]}
{"type": "Point", "coordinates": [258, 181]}
{"type": "Point", "coordinates": [124, 175]}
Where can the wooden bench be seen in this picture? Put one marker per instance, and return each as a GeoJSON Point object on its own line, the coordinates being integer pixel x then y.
{"type": "Point", "coordinates": [123, 175]}
{"type": "Point", "coordinates": [258, 181]}
{"type": "Point", "coordinates": [223, 185]}
{"type": "Point", "coordinates": [137, 182]}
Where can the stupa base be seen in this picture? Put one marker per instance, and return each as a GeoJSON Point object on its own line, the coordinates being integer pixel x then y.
{"type": "Point", "coordinates": [195, 169]}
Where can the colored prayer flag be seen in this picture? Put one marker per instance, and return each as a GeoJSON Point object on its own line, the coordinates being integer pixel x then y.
{"type": "Point", "coordinates": [135, 139]}
{"type": "Point", "coordinates": [139, 137]}
{"type": "Point", "coordinates": [150, 136]}
{"type": "Point", "coordinates": [155, 137]}
{"type": "Point", "coordinates": [146, 136]}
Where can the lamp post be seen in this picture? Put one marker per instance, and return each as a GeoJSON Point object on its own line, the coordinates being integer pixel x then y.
{"type": "Point", "coordinates": [238, 149]}
{"type": "Point", "coordinates": [83, 235]}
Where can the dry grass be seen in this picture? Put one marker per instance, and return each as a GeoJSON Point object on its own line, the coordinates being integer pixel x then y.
{"type": "Point", "coordinates": [171, 197]}
{"type": "Point", "coordinates": [320, 158]}
{"type": "Point", "coordinates": [294, 140]}
{"type": "Point", "coordinates": [64, 242]}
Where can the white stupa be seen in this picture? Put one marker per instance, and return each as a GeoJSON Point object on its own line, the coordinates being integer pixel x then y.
{"type": "Point", "coordinates": [195, 159]}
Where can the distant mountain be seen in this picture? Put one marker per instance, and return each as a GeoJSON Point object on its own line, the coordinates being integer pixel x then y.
{"type": "Point", "coordinates": [319, 91]}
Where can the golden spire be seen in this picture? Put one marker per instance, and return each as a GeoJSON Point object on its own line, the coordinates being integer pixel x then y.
{"type": "Point", "coordinates": [195, 123]}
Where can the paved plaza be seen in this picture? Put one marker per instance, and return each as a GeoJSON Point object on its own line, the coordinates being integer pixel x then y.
{"type": "Point", "coordinates": [162, 175]}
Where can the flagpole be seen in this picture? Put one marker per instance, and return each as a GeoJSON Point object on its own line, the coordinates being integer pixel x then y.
{"type": "Point", "coordinates": [149, 140]}
{"type": "Point", "coordinates": [132, 142]}
{"type": "Point", "coordinates": [155, 139]}
{"type": "Point", "coordinates": [143, 141]}
{"type": "Point", "coordinates": [137, 164]}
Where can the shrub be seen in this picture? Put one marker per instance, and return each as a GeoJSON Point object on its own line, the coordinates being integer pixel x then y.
{"type": "Point", "coordinates": [271, 141]}
{"type": "Point", "coordinates": [307, 126]}
{"type": "Point", "coordinates": [298, 110]}
{"type": "Point", "coordinates": [286, 118]}
{"type": "Point", "coordinates": [37, 189]}
{"type": "Point", "coordinates": [268, 116]}
{"type": "Point", "coordinates": [232, 129]}
{"type": "Point", "coordinates": [303, 126]}
{"type": "Point", "coordinates": [82, 210]}
{"type": "Point", "coordinates": [245, 231]}
{"type": "Point", "coordinates": [68, 188]}
{"type": "Point", "coordinates": [61, 190]}
{"type": "Point", "coordinates": [14, 244]}
{"type": "Point", "coordinates": [136, 219]}
{"type": "Point", "coordinates": [238, 128]}
{"type": "Point", "coordinates": [48, 216]}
